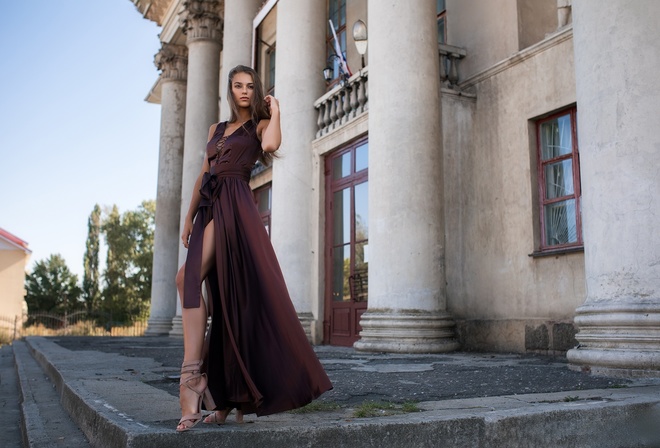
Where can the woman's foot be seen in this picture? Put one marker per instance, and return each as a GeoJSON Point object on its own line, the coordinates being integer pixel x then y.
{"type": "Point", "coordinates": [220, 417]}
{"type": "Point", "coordinates": [192, 388]}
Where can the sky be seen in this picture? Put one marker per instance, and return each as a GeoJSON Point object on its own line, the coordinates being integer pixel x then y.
{"type": "Point", "coordinates": [75, 129]}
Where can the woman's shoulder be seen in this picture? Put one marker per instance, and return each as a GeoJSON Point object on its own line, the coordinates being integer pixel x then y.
{"type": "Point", "coordinates": [214, 127]}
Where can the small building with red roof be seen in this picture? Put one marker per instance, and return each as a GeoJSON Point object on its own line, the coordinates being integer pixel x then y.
{"type": "Point", "coordinates": [14, 256]}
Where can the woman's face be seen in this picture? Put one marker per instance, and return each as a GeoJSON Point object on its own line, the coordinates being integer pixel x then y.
{"type": "Point", "coordinates": [242, 87]}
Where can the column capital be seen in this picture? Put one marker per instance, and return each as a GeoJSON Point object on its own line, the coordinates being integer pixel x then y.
{"type": "Point", "coordinates": [172, 60]}
{"type": "Point", "coordinates": [202, 19]}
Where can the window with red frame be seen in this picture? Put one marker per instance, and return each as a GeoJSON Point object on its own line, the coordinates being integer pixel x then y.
{"type": "Point", "coordinates": [559, 181]}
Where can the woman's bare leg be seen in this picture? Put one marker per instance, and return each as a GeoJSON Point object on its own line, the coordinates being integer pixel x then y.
{"type": "Point", "coordinates": [194, 320]}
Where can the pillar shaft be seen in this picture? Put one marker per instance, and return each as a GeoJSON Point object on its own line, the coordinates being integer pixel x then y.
{"type": "Point", "coordinates": [301, 27]}
{"type": "Point", "coordinates": [237, 43]}
{"type": "Point", "coordinates": [203, 27]}
{"type": "Point", "coordinates": [618, 100]}
{"type": "Point", "coordinates": [172, 60]}
{"type": "Point", "coordinates": [407, 303]}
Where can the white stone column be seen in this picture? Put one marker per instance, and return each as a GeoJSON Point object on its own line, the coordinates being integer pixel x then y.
{"type": "Point", "coordinates": [618, 105]}
{"type": "Point", "coordinates": [301, 28]}
{"type": "Point", "coordinates": [172, 60]}
{"type": "Point", "coordinates": [202, 24]}
{"type": "Point", "coordinates": [407, 303]}
{"type": "Point", "coordinates": [237, 43]}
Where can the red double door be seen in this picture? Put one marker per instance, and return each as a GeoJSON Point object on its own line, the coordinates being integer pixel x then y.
{"type": "Point", "coordinates": [347, 243]}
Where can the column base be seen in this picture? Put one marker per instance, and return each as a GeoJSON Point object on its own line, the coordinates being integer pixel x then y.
{"type": "Point", "coordinates": [306, 320]}
{"type": "Point", "coordinates": [406, 332]}
{"type": "Point", "coordinates": [177, 327]}
{"type": "Point", "coordinates": [619, 339]}
{"type": "Point", "coordinates": [158, 326]}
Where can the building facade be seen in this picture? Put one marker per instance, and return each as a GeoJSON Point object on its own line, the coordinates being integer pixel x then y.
{"type": "Point", "coordinates": [14, 256]}
{"type": "Point", "coordinates": [463, 174]}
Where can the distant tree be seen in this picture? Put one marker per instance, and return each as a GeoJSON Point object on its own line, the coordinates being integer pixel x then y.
{"type": "Point", "coordinates": [90, 284]}
{"type": "Point", "coordinates": [51, 287]}
{"type": "Point", "coordinates": [129, 239]}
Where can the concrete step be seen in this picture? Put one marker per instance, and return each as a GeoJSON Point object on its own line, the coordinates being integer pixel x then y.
{"type": "Point", "coordinates": [44, 422]}
{"type": "Point", "coordinates": [110, 398]}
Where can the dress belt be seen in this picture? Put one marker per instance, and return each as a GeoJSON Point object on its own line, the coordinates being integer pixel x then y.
{"type": "Point", "coordinates": [224, 170]}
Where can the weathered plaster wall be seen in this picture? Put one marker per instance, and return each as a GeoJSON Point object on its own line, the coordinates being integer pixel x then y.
{"type": "Point", "coordinates": [490, 190]}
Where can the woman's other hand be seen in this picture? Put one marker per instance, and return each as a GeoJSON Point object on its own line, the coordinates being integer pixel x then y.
{"type": "Point", "coordinates": [187, 230]}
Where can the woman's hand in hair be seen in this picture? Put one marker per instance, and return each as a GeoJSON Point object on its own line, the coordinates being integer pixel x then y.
{"type": "Point", "coordinates": [273, 104]}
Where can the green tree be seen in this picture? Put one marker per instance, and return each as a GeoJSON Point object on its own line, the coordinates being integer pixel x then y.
{"type": "Point", "coordinates": [129, 239]}
{"type": "Point", "coordinates": [90, 284]}
{"type": "Point", "coordinates": [51, 287]}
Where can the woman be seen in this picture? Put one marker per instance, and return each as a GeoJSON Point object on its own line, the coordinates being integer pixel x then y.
{"type": "Point", "coordinates": [255, 356]}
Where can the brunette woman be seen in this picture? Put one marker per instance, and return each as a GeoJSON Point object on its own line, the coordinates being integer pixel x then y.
{"type": "Point", "coordinates": [255, 356]}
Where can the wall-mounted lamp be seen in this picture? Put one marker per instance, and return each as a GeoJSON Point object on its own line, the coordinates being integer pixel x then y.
{"type": "Point", "coordinates": [360, 38]}
{"type": "Point", "coordinates": [329, 71]}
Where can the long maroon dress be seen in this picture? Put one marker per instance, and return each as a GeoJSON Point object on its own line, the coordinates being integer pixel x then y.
{"type": "Point", "coordinates": [258, 358]}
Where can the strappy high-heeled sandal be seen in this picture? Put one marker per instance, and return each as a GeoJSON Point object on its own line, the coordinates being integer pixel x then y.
{"type": "Point", "coordinates": [213, 418]}
{"type": "Point", "coordinates": [193, 368]}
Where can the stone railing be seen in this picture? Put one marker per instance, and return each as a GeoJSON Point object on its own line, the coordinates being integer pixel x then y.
{"type": "Point", "coordinates": [449, 57]}
{"type": "Point", "coordinates": [343, 103]}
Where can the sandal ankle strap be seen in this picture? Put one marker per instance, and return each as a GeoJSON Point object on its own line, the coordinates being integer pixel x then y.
{"type": "Point", "coordinates": [191, 367]}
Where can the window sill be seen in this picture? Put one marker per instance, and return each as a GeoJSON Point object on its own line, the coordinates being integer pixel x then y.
{"type": "Point", "coordinates": [553, 252]}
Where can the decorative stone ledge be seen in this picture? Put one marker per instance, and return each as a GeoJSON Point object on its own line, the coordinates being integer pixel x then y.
{"type": "Point", "coordinates": [561, 36]}
{"type": "Point", "coordinates": [306, 320]}
{"type": "Point", "coordinates": [618, 339]}
{"type": "Point", "coordinates": [406, 332]}
{"type": "Point", "coordinates": [158, 326]}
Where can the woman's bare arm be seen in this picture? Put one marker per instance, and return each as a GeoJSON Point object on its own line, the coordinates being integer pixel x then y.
{"type": "Point", "coordinates": [271, 133]}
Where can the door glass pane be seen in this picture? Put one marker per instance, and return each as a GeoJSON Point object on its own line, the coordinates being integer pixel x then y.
{"type": "Point", "coordinates": [362, 157]}
{"type": "Point", "coordinates": [560, 223]}
{"type": "Point", "coordinates": [556, 137]}
{"type": "Point", "coordinates": [361, 211]}
{"type": "Point", "coordinates": [341, 217]}
{"type": "Point", "coordinates": [559, 179]}
{"type": "Point", "coordinates": [341, 268]}
{"type": "Point", "coordinates": [361, 272]}
{"type": "Point", "coordinates": [341, 166]}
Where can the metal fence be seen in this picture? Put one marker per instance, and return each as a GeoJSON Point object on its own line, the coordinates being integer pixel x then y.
{"type": "Point", "coordinates": [79, 323]}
